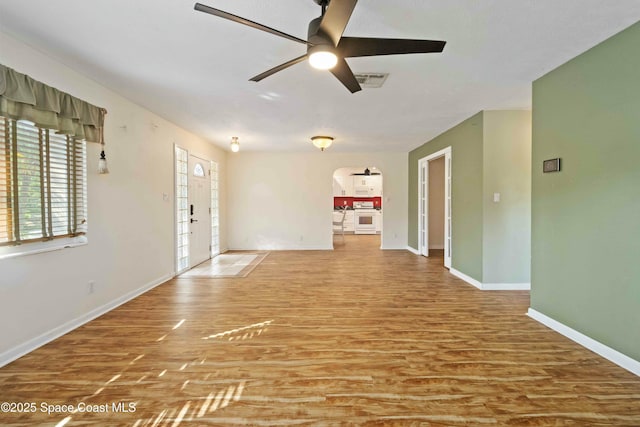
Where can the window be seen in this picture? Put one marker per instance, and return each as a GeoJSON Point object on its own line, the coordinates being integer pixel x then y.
{"type": "Point", "coordinates": [182, 214]}
{"type": "Point", "coordinates": [43, 190]}
{"type": "Point", "coordinates": [215, 211]}
{"type": "Point", "coordinates": [198, 170]}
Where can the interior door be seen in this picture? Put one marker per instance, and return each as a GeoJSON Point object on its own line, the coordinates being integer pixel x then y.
{"type": "Point", "coordinates": [199, 217]}
{"type": "Point", "coordinates": [423, 204]}
{"type": "Point", "coordinates": [447, 209]}
{"type": "Point", "coordinates": [423, 208]}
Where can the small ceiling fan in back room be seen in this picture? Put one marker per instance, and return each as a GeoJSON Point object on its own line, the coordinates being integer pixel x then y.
{"type": "Point", "coordinates": [327, 48]}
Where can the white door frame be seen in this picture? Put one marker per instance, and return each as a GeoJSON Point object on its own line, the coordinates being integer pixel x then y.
{"type": "Point", "coordinates": [423, 204]}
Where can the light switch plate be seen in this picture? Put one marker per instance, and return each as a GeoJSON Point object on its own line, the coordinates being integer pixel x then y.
{"type": "Point", "coordinates": [496, 197]}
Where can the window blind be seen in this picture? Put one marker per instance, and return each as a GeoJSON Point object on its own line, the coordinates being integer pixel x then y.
{"type": "Point", "coordinates": [6, 212]}
{"type": "Point", "coordinates": [42, 184]}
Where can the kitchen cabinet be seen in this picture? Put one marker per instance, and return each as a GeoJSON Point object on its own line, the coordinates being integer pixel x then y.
{"type": "Point", "coordinates": [367, 186]}
{"type": "Point", "coordinates": [349, 220]}
{"type": "Point", "coordinates": [342, 186]}
{"type": "Point", "coordinates": [376, 185]}
{"type": "Point", "coordinates": [337, 188]}
{"type": "Point", "coordinates": [379, 222]}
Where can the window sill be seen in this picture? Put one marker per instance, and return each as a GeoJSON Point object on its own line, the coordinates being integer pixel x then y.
{"type": "Point", "coordinates": [7, 252]}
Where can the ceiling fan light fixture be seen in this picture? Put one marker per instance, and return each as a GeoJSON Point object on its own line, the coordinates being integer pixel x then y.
{"type": "Point", "coordinates": [322, 57]}
{"type": "Point", "coordinates": [322, 142]}
{"type": "Point", "coordinates": [235, 144]}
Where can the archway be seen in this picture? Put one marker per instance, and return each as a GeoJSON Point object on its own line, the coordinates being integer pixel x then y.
{"type": "Point", "coordinates": [357, 203]}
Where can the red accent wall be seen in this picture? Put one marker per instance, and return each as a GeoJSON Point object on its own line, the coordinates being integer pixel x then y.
{"type": "Point", "coordinates": [339, 202]}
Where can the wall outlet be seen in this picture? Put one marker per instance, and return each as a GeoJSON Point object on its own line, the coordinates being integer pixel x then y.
{"type": "Point", "coordinates": [91, 286]}
{"type": "Point", "coordinates": [496, 197]}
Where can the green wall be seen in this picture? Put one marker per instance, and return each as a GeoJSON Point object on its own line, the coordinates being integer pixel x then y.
{"type": "Point", "coordinates": [586, 218]}
{"type": "Point", "coordinates": [506, 229]}
{"type": "Point", "coordinates": [465, 140]}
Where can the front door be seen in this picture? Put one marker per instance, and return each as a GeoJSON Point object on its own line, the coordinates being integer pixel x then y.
{"type": "Point", "coordinates": [199, 216]}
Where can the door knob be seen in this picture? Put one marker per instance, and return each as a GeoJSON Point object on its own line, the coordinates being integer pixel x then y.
{"type": "Point", "coordinates": [193, 220]}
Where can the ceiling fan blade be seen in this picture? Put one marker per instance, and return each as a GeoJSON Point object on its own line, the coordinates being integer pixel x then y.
{"type": "Point", "coordinates": [336, 18]}
{"type": "Point", "coordinates": [350, 47]}
{"type": "Point", "coordinates": [278, 68]}
{"type": "Point", "coordinates": [345, 75]}
{"type": "Point", "coordinates": [222, 14]}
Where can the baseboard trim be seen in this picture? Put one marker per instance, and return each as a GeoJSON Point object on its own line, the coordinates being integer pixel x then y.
{"type": "Point", "coordinates": [436, 247]}
{"type": "Point", "coordinates": [470, 280]}
{"type": "Point", "coordinates": [413, 251]}
{"type": "Point", "coordinates": [34, 343]}
{"type": "Point", "coordinates": [506, 286]}
{"type": "Point", "coordinates": [597, 347]}
{"type": "Point", "coordinates": [491, 286]}
{"type": "Point", "coordinates": [309, 248]}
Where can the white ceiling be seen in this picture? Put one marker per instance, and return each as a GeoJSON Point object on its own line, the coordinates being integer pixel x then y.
{"type": "Point", "coordinates": [193, 68]}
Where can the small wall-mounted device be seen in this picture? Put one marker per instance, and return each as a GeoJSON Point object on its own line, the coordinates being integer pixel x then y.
{"type": "Point", "coordinates": [551, 165]}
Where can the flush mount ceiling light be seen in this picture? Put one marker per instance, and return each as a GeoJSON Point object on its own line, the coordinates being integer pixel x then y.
{"type": "Point", "coordinates": [235, 144]}
{"type": "Point", "coordinates": [322, 142]}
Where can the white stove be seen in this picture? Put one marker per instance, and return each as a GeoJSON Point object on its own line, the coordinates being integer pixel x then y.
{"type": "Point", "coordinates": [362, 205]}
{"type": "Point", "coordinates": [365, 218]}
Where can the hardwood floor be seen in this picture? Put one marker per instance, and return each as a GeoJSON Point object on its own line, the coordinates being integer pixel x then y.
{"type": "Point", "coordinates": [355, 336]}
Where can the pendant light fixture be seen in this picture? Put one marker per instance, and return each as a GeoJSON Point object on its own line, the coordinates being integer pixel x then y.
{"type": "Point", "coordinates": [235, 144]}
{"type": "Point", "coordinates": [322, 142]}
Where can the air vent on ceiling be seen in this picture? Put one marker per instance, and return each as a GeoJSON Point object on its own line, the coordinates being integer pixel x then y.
{"type": "Point", "coordinates": [371, 80]}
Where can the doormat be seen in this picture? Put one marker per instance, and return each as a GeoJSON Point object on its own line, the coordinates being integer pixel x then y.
{"type": "Point", "coordinates": [235, 264]}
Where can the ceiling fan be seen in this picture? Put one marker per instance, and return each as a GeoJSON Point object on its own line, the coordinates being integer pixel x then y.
{"type": "Point", "coordinates": [327, 48]}
{"type": "Point", "coordinates": [367, 172]}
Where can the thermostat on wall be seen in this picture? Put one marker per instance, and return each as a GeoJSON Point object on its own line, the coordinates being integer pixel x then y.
{"type": "Point", "coordinates": [551, 165]}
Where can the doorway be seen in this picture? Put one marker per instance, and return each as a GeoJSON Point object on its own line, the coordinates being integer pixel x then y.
{"type": "Point", "coordinates": [199, 200]}
{"type": "Point", "coordinates": [434, 204]}
{"type": "Point", "coordinates": [196, 210]}
{"type": "Point", "coordinates": [357, 204]}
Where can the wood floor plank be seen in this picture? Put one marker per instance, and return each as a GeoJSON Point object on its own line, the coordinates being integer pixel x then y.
{"type": "Point", "coordinates": [355, 336]}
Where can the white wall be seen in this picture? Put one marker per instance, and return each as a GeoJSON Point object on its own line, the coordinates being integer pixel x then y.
{"type": "Point", "coordinates": [131, 227]}
{"type": "Point", "coordinates": [285, 200]}
{"type": "Point", "coordinates": [436, 203]}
